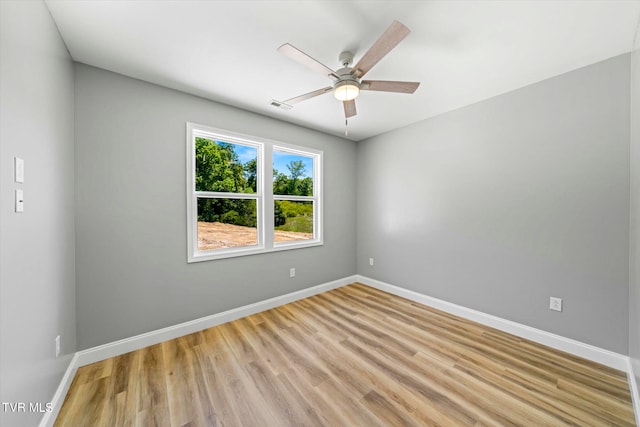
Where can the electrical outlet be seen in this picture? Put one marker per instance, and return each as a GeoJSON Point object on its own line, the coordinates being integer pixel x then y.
{"type": "Point", "coordinates": [370, 261]}
{"type": "Point", "coordinates": [58, 346]}
{"type": "Point", "coordinates": [292, 272]}
{"type": "Point", "coordinates": [555, 304]}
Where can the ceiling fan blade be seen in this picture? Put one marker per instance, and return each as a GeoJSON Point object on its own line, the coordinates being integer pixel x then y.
{"type": "Point", "coordinates": [389, 86]}
{"type": "Point", "coordinates": [308, 95]}
{"type": "Point", "coordinates": [349, 108]}
{"type": "Point", "coordinates": [387, 41]}
{"type": "Point", "coordinates": [304, 59]}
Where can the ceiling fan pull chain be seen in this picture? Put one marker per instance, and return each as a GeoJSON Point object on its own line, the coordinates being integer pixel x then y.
{"type": "Point", "coordinates": [346, 127]}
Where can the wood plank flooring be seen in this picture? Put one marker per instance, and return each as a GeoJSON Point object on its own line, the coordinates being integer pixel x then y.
{"type": "Point", "coordinates": [354, 356]}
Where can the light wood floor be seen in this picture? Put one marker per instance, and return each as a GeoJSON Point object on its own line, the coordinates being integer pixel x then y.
{"type": "Point", "coordinates": [354, 356]}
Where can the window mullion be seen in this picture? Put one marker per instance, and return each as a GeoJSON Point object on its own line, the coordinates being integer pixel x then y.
{"type": "Point", "coordinates": [267, 187]}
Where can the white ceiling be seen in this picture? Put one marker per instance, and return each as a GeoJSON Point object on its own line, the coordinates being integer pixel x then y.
{"type": "Point", "coordinates": [461, 51]}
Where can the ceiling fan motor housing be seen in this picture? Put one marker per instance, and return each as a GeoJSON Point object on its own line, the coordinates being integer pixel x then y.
{"type": "Point", "coordinates": [345, 74]}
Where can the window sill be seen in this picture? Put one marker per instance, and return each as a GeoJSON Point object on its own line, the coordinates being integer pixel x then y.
{"type": "Point", "coordinates": [252, 250]}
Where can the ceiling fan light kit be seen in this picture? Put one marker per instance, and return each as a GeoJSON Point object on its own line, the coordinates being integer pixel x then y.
{"type": "Point", "coordinates": [347, 80]}
{"type": "Point", "coordinates": [346, 90]}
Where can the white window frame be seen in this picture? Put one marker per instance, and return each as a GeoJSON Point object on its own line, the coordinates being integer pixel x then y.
{"type": "Point", "coordinates": [315, 198]}
{"type": "Point", "coordinates": [264, 195]}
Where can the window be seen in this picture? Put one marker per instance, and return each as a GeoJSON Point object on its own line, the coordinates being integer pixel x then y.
{"type": "Point", "coordinates": [236, 205]}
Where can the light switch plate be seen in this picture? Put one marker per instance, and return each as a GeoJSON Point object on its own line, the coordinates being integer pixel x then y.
{"type": "Point", "coordinates": [18, 166]}
{"type": "Point", "coordinates": [19, 201]}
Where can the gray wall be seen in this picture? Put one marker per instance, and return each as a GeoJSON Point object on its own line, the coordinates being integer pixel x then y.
{"type": "Point", "coordinates": [634, 240]}
{"type": "Point", "coordinates": [495, 206]}
{"type": "Point", "coordinates": [132, 271]}
{"type": "Point", "coordinates": [37, 272]}
{"type": "Point", "coordinates": [502, 204]}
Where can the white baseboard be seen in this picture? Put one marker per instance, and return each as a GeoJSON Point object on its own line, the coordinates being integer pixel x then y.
{"type": "Point", "coordinates": [635, 393]}
{"type": "Point", "coordinates": [137, 342]}
{"type": "Point", "coordinates": [116, 348]}
{"type": "Point", "coordinates": [95, 354]}
{"type": "Point", "coordinates": [49, 418]}
{"type": "Point", "coordinates": [587, 351]}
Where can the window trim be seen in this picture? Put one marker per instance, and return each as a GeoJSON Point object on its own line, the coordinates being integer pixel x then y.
{"type": "Point", "coordinates": [264, 194]}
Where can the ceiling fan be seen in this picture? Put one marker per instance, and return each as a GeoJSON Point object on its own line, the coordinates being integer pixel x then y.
{"type": "Point", "coordinates": [347, 81]}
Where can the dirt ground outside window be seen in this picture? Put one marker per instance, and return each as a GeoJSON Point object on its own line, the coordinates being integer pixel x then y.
{"type": "Point", "coordinates": [217, 235]}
